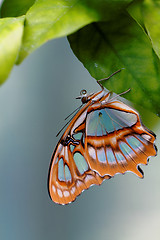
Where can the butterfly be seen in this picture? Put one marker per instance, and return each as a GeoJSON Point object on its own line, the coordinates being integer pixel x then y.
{"type": "Point", "coordinates": [105, 137]}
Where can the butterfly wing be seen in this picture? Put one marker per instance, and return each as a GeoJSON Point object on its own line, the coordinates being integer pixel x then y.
{"type": "Point", "coordinates": [69, 172]}
{"type": "Point", "coordinates": [116, 141]}
{"type": "Point", "coordinates": [103, 139]}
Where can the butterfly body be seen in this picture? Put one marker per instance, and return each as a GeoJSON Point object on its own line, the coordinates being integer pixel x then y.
{"type": "Point", "coordinates": [104, 138]}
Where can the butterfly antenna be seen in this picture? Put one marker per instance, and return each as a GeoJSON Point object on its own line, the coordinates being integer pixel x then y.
{"type": "Point", "coordinates": [103, 79]}
{"type": "Point", "coordinates": [63, 128]}
{"type": "Point", "coordinates": [120, 94]}
{"type": "Point", "coordinates": [69, 120]}
{"type": "Point", "coordinates": [73, 112]}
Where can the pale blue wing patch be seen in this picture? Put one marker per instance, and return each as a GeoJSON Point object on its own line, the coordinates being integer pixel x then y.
{"type": "Point", "coordinates": [120, 158]}
{"type": "Point", "coordinates": [77, 136]}
{"type": "Point", "coordinates": [80, 162]}
{"type": "Point", "coordinates": [92, 123]}
{"type": "Point", "coordinates": [72, 147]}
{"type": "Point", "coordinates": [126, 150]}
{"type": "Point", "coordinates": [101, 155]}
{"type": "Point", "coordinates": [134, 143]}
{"type": "Point", "coordinates": [67, 173]}
{"type": "Point", "coordinates": [125, 119]}
{"type": "Point", "coordinates": [101, 122]}
{"type": "Point", "coordinates": [143, 138]}
{"type": "Point", "coordinates": [110, 156]}
{"type": "Point", "coordinates": [61, 170]}
{"type": "Point", "coordinates": [117, 121]}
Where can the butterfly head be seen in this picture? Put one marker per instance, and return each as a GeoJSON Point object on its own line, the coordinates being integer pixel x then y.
{"type": "Point", "coordinates": [84, 96]}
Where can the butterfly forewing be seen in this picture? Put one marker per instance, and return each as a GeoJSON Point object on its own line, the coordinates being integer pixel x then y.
{"type": "Point", "coordinates": [105, 137]}
{"type": "Point", "coordinates": [69, 172]}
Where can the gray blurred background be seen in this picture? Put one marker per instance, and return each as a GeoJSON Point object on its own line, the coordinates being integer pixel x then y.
{"type": "Point", "coordinates": [34, 101]}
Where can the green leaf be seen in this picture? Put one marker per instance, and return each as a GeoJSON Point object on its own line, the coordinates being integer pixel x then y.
{"type": "Point", "coordinates": [11, 30]}
{"type": "Point", "coordinates": [50, 19]}
{"type": "Point", "coordinates": [135, 10]}
{"type": "Point", "coordinates": [151, 16]}
{"type": "Point", "coordinates": [15, 8]}
{"type": "Point", "coordinates": [106, 47]}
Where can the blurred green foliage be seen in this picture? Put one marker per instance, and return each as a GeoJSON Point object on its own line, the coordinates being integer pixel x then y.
{"type": "Point", "coordinates": [15, 8]}
{"type": "Point", "coordinates": [11, 30]}
{"type": "Point", "coordinates": [121, 43]}
{"type": "Point", "coordinates": [105, 35]}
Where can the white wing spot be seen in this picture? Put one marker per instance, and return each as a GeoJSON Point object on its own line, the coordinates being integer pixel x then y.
{"type": "Point", "coordinates": [146, 137]}
{"type": "Point", "coordinates": [59, 192]}
{"type": "Point", "coordinates": [66, 193]}
{"type": "Point", "coordinates": [53, 188]}
{"type": "Point", "coordinates": [92, 152]}
{"type": "Point", "coordinates": [79, 183]}
{"type": "Point", "coordinates": [73, 190]}
{"type": "Point", "coordinates": [89, 178]}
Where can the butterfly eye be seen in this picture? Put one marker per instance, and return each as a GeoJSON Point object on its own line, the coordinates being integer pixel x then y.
{"type": "Point", "coordinates": [83, 92]}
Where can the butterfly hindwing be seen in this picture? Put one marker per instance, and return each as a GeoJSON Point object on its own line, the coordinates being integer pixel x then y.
{"type": "Point", "coordinates": [116, 141]}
